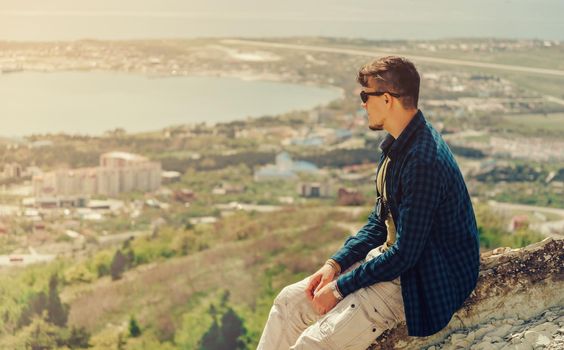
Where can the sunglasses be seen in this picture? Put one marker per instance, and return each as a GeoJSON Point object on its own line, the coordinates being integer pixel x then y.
{"type": "Point", "coordinates": [364, 95]}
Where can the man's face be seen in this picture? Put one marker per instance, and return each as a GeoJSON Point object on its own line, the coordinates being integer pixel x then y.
{"type": "Point", "coordinates": [376, 107]}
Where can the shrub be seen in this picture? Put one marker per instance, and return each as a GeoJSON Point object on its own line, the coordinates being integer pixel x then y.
{"type": "Point", "coordinates": [134, 329]}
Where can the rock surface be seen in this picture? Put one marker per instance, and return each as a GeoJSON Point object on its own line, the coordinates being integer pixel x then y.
{"type": "Point", "coordinates": [518, 303]}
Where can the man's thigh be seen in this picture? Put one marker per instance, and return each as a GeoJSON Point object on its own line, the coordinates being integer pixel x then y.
{"type": "Point", "coordinates": [353, 323]}
{"type": "Point", "coordinates": [356, 321]}
{"type": "Point", "coordinates": [299, 308]}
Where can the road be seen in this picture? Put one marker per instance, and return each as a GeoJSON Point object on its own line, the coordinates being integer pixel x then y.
{"type": "Point", "coordinates": [524, 207]}
{"type": "Point", "coordinates": [369, 53]}
{"type": "Point", "coordinates": [121, 237]}
{"type": "Point", "coordinates": [554, 99]}
{"type": "Point", "coordinates": [249, 207]}
{"type": "Point", "coordinates": [14, 260]}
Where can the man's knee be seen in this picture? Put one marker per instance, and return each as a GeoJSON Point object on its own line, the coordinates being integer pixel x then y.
{"type": "Point", "coordinates": [282, 297]}
{"type": "Point", "coordinates": [293, 293]}
{"type": "Point", "coordinates": [295, 305]}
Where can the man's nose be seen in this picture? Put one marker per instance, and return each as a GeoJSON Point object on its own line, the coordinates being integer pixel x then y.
{"type": "Point", "coordinates": [363, 105]}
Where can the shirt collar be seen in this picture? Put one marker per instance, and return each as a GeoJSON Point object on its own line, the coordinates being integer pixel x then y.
{"type": "Point", "coordinates": [391, 146]}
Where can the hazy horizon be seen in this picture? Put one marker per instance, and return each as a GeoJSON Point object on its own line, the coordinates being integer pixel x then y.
{"type": "Point", "coordinates": [34, 20]}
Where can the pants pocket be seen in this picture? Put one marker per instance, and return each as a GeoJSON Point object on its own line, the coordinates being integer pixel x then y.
{"type": "Point", "coordinates": [348, 326]}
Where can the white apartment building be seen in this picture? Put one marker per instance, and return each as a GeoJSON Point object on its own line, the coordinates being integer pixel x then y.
{"type": "Point", "coordinates": [118, 172]}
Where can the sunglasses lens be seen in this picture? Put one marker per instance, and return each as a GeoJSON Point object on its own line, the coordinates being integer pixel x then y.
{"type": "Point", "coordinates": [363, 97]}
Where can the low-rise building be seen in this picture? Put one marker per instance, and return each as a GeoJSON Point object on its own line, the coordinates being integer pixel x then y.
{"type": "Point", "coordinates": [347, 196]}
{"type": "Point", "coordinates": [184, 195]}
{"type": "Point", "coordinates": [314, 189]}
{"type": "Point", "coordinates": [12, 171]}
{"type": "Point", "coordinates": [226, 188]}
{"type": "Point", "coordinates": [284, 169]}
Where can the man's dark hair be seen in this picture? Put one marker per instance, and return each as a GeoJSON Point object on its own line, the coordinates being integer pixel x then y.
{"type": "Point", "coordinates": [393, 74]}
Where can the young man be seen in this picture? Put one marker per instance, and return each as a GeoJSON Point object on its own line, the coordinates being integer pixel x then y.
{"type": "Point", "coordinates": [417, 258]}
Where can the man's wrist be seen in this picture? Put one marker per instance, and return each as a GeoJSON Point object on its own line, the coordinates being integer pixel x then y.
{"type": "Point", "coordinates": [336, 292]}
{"type": "Point", "coordinates": [335, 265]}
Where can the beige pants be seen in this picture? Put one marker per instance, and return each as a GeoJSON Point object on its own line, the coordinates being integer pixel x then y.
{"type": "Point", "coordinates": [354, 323]}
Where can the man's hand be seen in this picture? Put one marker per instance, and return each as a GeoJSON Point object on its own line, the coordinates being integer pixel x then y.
{"type": "Point", "coordinates": [319, 280]}
{"type": "Point", "coordinates": [324, 300]}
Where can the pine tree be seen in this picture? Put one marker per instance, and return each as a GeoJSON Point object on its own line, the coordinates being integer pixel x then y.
{"type": "Point", "coordinates": [36, 305]}
{"type": "Point", "coordinates": [119, 262]}
{"type": "Point", "coordinates": [134, 329]}
{"type": "Point", "coordinates": [212, 310]}
{"type": "Point", "coordinates": [57, 313]}
{"type": "Point", "coordinates": [227, 335]}
{"type": "Point", "coordinates": [130, 258]}
{"type": "Point", "coordinates": [225, 298]}
{"type": "Point", "coordinates": [128, 253]}
{"type": "Point", "coordinates": [232, 329]}
{"type": "Point", "coordinates": [212, 340]}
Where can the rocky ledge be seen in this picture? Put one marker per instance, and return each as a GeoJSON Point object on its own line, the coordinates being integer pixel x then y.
{"type": "Point", "coordinates": [517, 304]}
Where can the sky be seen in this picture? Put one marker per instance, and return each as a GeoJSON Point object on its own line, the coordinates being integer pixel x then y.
{"type": "Point", "coordinates": [39, 20]}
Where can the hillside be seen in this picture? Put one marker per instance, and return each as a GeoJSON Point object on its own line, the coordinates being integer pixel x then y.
{"type": "Point", "coordinates": [515, 284]}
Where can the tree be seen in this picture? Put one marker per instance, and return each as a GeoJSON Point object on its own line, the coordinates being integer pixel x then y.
{"type": "Point", "coordinates": [232, 329]}
{"type": "Point", "coordinates": [57, 313]}
{"type": "Point", "coordinates": [134, 329]}
{"type": "Point", "coordinates": [225, 298]}
{"type": "Point", "coordinates": [128, 253]}
{"type": "Point", "coordinates": [40, 335]}
{"type": "Point", "coordinates": [155, 231]}
{"type": "Point", "coordinates": [119, 262]}
{"type": "Point", "coordinates": [101, 263]}
{"type": "Point", "coordinates": [212, 340]}
{"type": "Point", "coordinates": [185, 245]}
{"type": "Point", "coordinates": [36, 305]}
{"type": "Point", "coordinates": [79, 338]}
{"type": "Point", "coordinates": [213, 311]}
{"type": "Point", "coordinates": [120, 345]}
{"type": "Point", "coordinates": [227, 335]}
{"type": "Point", "coordinates": [130, 258]}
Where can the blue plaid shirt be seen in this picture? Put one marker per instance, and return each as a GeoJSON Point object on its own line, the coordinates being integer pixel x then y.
{"type": "Point", "coordinates": [436, 253]}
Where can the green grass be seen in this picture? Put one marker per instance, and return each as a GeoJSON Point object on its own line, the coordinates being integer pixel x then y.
{"type": "Point", "coordinates": [553, 123]}
{"type": "Point", "coordinates": [482, 138]}
{"type": "Point", "coordinates": [547, 58]}
{"type": "Point", "coordinates": [543, 84]}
